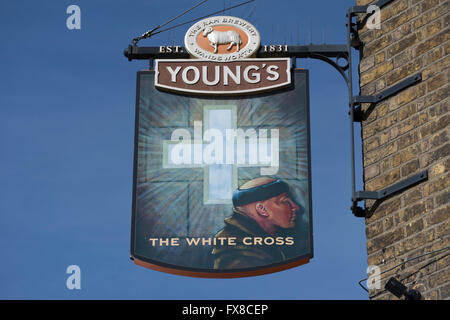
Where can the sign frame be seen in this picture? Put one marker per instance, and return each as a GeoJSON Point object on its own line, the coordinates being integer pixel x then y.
{"type": "Point", "coordinates": [211, 273]}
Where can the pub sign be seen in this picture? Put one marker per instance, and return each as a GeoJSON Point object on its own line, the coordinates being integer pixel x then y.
{"type": "Point", "coordinates": [221, 183]}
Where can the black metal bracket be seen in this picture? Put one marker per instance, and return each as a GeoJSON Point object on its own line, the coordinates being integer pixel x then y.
{"type": "Point", "coordinates": [399, 186]}
{"type": "Point", "coordinates": [380, 195]}
{"type": "Point", "coordinates": [323, 52]}
{"type": "Point", "coordinates": [356, 115]}
{"type": "Point", "coordinates": [331, 54]}
{"type": "Point", "coordinates": [357, 100]}
{"type": "Point", "coordinates": [388, 92]}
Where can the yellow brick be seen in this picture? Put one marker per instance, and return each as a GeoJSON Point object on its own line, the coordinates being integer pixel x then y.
{"type": "Point", "coordinates": [366, 64]}
{"type": "Point", "coordinates": [432, 42]}
{"type": "Point", "coordinates": [371, 172]}
{"type": "Point", "coordinates": [409, 125]}
{"type": "Point", "coordinates": [380, 57]}
{"type": "Point", "coordinates": [404, 43]}
{"type": "Point", "coordinates": [384, 181]}
{"type": "Point", "coordinates": [406, 155]}
{"type": "Point", "coordinates": [384, 138]}
{"type": "Point", "coordinates": [431, 29]}
{"type": "Point", "coordinates": [377, 45]}
{"type": "Point", "coordinates": [437, 82]}
{"type": "Point", "coordinates": [435, 68]}
{"type": "Point", "coordinates": [436, 185]}
{"type": "Point", "coordinates": [433, 55]}
{"type": "Point", "coordinates": [427, 17]}
{"type": "Point", "coordinates": [398, 6]}
{"type": "Point", "coordinates": [371, 144]}
{"type": "Point", "coordinates": [408, 139]}
{"type": "Point", "coordinates": [363, 2]}
{"type": "Point", "coordinates": [382, 110]}
{"type": "Point", "coordinates": [437, 96]}
{"type": "Point", "coordinates": [377, 72]}
{"type": "Point", "coordinates": [394, 132]}
{"type": "Point", "coordinates": [385, 165]}
{"type": "Point", "coordinates": [407, 111]}
{"type": "Point", "coordinates": [411, 94]}
{"type": "Point", "coordinates": [403, 72]}
{"type": "Point", "coordinates": [427, 5]}
{"type": "Point", "coordinates": [437, 169]}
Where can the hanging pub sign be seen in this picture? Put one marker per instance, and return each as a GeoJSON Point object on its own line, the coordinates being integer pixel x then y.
{"type": "Point", "coordinates": [222, 173]}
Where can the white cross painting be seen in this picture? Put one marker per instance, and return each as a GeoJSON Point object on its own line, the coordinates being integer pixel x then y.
{"type": "Point", "coordinates": [219, 147]}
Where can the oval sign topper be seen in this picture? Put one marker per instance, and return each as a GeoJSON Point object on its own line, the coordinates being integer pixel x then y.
{"type": "Point", "coordinates": [222, 39]}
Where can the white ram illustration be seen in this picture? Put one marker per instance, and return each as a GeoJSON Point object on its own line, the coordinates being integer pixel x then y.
{"type": "Point", "coordinates": [218, 37]}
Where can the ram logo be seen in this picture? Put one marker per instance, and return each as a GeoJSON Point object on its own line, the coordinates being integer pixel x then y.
{"type": "Point", "coordinates": [218, 37]}
{"type": "Point", "coordinates": [222, 39]}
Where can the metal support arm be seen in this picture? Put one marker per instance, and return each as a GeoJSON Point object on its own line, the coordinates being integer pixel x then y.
{"type": "Point", "coordinates": [357, 116]}
{"type": "Point", "coordinates": [324, 52]}
{"type": "Point", "coordinates": [388, 92]}
{"type": "Point", "coordinates": [399, 186]}
{"type": "Point", "coordinates": [133, 52]}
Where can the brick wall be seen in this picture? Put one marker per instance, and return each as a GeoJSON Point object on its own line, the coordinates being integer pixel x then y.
{"type": "Point", "coordinates": [405, 135]}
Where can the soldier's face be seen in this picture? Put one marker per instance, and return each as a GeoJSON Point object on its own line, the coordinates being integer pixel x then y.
{"type": "Point", "coordinates": [281, 210]}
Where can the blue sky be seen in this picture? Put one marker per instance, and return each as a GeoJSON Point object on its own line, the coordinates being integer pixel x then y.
{"type": "Point", "coordinates": [67, 102]}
